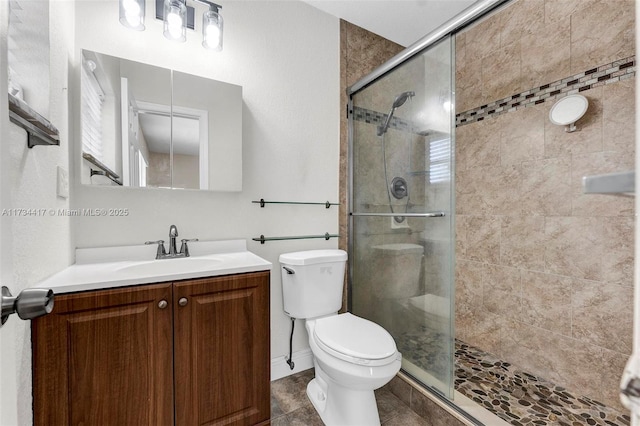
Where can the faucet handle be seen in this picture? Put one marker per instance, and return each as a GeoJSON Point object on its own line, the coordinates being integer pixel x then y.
{"type": "Point", "coordinates": [161, 251]}
{"type": "Point", "coordinates": [184, 248]}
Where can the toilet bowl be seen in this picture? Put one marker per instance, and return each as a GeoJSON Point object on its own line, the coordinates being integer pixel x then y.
{"type": "Point", "coordinates": [352, 356]}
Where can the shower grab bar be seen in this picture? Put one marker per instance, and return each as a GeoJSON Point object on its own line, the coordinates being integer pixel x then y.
{"type": "Point", "coordinates": [264, 239]}
{"type": "Point", "coordinates": [326, 204]}
{"type": "Point", "coordinates": [428, 214]}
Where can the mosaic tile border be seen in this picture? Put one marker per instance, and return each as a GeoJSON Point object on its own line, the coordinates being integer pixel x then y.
{"type": "Point", "coordinates": [378, 118]}
{"type": "Point", "coordinates": [605, 74]}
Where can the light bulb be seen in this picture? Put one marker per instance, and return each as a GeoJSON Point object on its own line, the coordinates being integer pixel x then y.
{"type": "Point", "coordinates": [131, 7]}
{"type": "Point", "coordinates": [212, 30]}
{"type": "Point", "coordinates": [132, 18]}
{"type": "Point", "coordinates": [174, 24]}
{"type": "Point", "coordinates": [212, 34]}
{"type": "Point", "coordinates": [175, 16]}
{"type": "Point", "coordinates": [132, 14]}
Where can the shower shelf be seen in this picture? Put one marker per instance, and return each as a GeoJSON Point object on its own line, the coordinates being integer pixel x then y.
{"type": "Point", "coordinates": [622, 183]}
{"type": "Point", "coordinates": [327, 204]}
{"type": "Point", "coordinates": [264, 239]}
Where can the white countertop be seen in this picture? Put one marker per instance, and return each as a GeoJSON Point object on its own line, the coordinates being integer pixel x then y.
{"type": "Point", "coordinates": [110, 267]}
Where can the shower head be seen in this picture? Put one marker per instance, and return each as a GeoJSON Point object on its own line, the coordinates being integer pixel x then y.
{"type": "Point", "coordinates": [402, 98]}
{"type": "Point", "coordinates": [397, 103]}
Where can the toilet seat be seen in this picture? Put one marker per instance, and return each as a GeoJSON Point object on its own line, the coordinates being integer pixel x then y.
{"type": "Point", "coordinates": [355, 340]}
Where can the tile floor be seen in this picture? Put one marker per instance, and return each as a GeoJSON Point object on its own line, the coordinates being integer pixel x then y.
{"type": "Point", "coordinates": [516, 396]}
{"type": "Point", "coordinates": [291, 407]}
{"type": "Point", "coordinates": [523, 399]}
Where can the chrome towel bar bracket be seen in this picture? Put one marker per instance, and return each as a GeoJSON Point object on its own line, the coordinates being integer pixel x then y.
{"type": "Point", "coordinates": [326, 204]}
{"type": "Point", "coordinates": [264, 239]}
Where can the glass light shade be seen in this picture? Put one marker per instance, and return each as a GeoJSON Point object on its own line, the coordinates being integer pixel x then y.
{"type": "Point", "coordinates": [212, 30]}
{"type": "Point", "coordinates": [132, 14]}
{"type": "Point", "coordinates": [175, 20]}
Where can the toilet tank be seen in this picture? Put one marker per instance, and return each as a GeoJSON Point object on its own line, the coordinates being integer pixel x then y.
{"type": "Point", "coordinates": [397, 270]}
{"type": "Point", "coordinates": [312, 282]}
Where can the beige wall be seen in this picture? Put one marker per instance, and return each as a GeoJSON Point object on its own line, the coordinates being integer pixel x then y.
{"type": "Point", "coordinates": [360, 53]}
{"type": "Point", "coordinates": [544, 272]}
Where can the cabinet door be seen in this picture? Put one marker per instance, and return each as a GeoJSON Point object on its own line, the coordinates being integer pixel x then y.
{"type": "Point", "coordinates": [105, 358]}
{"type": "Point", "coordinates": [222, 362]}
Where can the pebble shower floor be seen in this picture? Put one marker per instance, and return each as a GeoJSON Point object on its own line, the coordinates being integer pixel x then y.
{"type": "Point", "coordinates": [517, 397]}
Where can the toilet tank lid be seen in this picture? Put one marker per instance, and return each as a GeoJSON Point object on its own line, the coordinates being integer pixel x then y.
{"type": "Point", "coordinates": [400, 248]}
{"type": "Point", "coordinates": [310, 257]}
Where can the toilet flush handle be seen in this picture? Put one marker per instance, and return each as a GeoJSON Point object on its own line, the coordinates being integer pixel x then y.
{"type": "Point", "coordinates": [289, 270]}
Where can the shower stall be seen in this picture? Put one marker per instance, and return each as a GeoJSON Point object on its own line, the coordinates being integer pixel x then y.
{"type": "Point", "coordinates": [402, 204]}
{"type": "Point", "coordinates": [540, 330]}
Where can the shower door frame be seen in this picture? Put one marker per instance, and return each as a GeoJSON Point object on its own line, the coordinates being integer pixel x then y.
{"type": "Point", "coordinates": [448, 29]}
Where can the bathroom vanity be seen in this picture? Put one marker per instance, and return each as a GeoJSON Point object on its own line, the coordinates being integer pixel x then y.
{"type": "Point", "coordinates": [191, 347]}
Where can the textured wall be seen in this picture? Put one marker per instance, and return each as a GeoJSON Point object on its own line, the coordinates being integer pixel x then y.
{"type": "Point", "coordinates": [360, 53]}
{"type": "Point", "coordinates": [544, 272]}
{"type": "Point", "coordinates": [285, 55]}
{"type": "Point", "coordinates": [33, 247]}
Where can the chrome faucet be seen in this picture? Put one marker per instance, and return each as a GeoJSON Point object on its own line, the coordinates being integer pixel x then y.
{"type": "Point", "coordinates": [173, 252]}
{"type": "Point", "coordinates": [173, 233]}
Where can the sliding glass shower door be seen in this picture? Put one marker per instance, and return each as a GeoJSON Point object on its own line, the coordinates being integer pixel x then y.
{"type": "Point", "coordinates": [402, 205]}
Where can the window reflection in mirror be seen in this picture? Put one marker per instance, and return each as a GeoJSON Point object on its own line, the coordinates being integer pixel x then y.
{"type": "Point", "coordinates": [28, 53]}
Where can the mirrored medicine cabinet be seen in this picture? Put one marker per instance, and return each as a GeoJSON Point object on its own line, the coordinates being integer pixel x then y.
{"type": "Point", "coordinates": [144, 126]}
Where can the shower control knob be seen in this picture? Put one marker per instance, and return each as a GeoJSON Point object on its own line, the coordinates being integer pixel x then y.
{"type": "Point", "coordinates": [183, 301]}
{"type": "Point", "coordinates": [162, 304]}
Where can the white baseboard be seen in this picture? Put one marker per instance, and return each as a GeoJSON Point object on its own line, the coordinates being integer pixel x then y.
{"type": "Point", "coordinates": [302, 360]}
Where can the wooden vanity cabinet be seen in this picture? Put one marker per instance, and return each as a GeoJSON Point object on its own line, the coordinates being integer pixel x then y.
{"type": "Point", "coordinates": [192, 352]}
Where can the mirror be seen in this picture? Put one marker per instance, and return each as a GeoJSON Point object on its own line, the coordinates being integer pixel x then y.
{"type": "Point", "coordinates": [149, 127]}
{"type": "Point", "coordinates": [568, 110]}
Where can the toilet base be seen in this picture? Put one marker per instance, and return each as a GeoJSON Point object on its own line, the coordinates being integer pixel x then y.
{"type": "Point", "coordinates": [339, 406]}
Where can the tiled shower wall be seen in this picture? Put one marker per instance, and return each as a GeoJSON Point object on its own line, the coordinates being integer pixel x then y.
{"type": "Point", "coordinates": [361, 52]}
{"type": "Point", "coordinates": [544, 273]}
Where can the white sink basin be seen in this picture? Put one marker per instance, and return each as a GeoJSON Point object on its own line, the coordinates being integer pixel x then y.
{"type": "Point", "coordinates": [110, 267]}
{"type": "Point", "coordinates": [171, 266]}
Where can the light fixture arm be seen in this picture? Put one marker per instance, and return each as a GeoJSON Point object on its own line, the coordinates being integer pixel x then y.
{"type": "Point", "coordinates": [212, 6]}
{"type": "Point", "coordinates": [177, 17]}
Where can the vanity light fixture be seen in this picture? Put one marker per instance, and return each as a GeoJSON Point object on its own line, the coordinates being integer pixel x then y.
{"type": "Point", "coordinates": [132, 14]}
{"type": "Point", "coordinates": [175, 20]}
{"type": "Point", "coordinates": [212, 28]}
{"type": "Point", "coordinates": [177, 16]}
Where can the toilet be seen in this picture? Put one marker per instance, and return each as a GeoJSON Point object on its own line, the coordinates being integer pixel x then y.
{"type": "Point", "coordinates": [397, 271]}
{"type": "Point", "coordinates": [352, 356]}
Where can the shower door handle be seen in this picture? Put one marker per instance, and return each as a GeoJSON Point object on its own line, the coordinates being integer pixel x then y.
{"type": "Point", "coordinates": [428, 214]}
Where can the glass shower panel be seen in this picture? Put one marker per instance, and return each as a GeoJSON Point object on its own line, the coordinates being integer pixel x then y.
{"type": "Point", "coordinates": [402, 211]}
